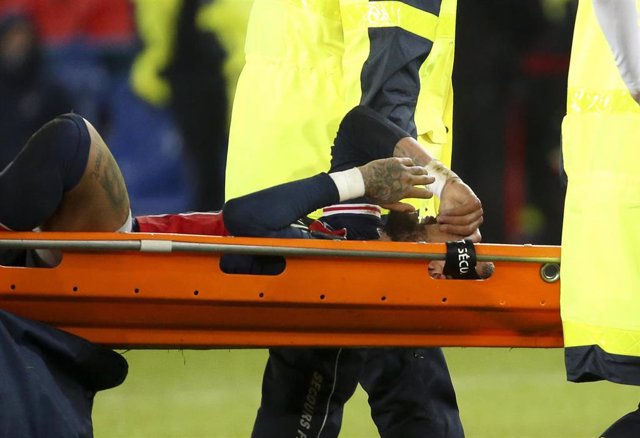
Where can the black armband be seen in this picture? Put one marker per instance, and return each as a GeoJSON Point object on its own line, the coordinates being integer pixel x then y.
{"type": "Point", "coordinates": [460, 261]}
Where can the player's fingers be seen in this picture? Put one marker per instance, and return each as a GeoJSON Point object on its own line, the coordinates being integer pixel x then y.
{"type": "Point", "coordinates": [460, 216]}
{"type": "Point", "coordinates": [418, 192]}
{"type": "Point", "coordinates": [399, 206]}
{"type": "Point", "coordinates": [472, 206]}
{"type": "Point", "coordinates": [467, 229]}
{"type": "Point", "coordinates": [406, 161]}
{"type": "Point", "coordinates": [417, 170]}
{"type": "Point", "coordinates": [423, 180]}
{"type": "Point", "coordinates": [475, 237]}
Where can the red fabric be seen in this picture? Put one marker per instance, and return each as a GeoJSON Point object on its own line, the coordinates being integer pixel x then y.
{"type": "Point", "coordinates": [545, 64]}
{"type": "Point", "coordinates": [58, 21]}
{"type": "Point", "coordinates": [514, 172]}
{"type": "Point", "coordinates": [321, 227]}
{"type": "Point", "coordinates": [210, 224]}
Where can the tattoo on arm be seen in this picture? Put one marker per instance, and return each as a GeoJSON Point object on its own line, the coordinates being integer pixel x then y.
{"type": "Point", "coordinates": [95, 173]}
{"type": "Point", "coordinates": [384, 182]}
{"type": "Point", "coordinates": [110, 179]}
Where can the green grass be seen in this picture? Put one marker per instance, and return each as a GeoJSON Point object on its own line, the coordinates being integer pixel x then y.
{"type": "Point", "coordinates": [518, 393]}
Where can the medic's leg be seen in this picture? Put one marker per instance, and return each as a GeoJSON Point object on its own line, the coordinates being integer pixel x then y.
{"type": "Point", "coordinates": [49, 379]}
{"type": "Point", "coordinates": [411, 394]}
{"type": "Point", "coordinates": [625, 427]}
{"type": "Point", "coordinates": [304, 391]}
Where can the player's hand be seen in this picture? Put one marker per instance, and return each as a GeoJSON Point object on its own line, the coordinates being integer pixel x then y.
{"type": "Point", "coordinates": [389, 180]}
{"type": "Point", "coordinates": [460, 210]}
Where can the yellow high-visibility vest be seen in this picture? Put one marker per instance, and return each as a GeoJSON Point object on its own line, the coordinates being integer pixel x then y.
{"type": "Point", "coordinates": [600, 273]}
{"type": "Point", "coordinates": [156, 22]}
{"type": "Point", "coordinates": [303, 65]}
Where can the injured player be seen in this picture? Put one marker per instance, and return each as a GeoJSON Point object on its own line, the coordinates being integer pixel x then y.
{"type": "Point", "coordinates": [66, 179]}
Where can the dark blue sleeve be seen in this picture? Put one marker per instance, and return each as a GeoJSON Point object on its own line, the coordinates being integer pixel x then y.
{"type": "Point", "coordinates": [390, 76]}
{"type": "Point", "coordinates": [270, 212]}
{"type": "Point", "coordinates": [364, 135]}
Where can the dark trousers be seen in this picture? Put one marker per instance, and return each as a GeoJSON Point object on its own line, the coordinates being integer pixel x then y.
{"type": "Point", "coordinates": [410, 392]}
{"type": "Point", "coordinates": [48, 379]}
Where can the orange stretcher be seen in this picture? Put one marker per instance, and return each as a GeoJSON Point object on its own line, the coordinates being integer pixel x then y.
{"type": "Point", "coordinates": [163, 290]}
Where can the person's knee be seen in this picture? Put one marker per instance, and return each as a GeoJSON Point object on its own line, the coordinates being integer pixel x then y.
{"type": "Point", "coordinates": [67, 142]}
{"type": "Point", "coordinates": [51, 163]}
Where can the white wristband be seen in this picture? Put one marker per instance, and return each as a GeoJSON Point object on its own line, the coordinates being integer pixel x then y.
{"type": "Point", "coordinates": [439, 171]}
{"type": "Point", "coordinates": [350, 183]}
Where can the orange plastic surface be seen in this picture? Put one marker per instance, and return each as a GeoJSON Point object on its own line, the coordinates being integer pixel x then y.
{"type": "Point", "coordinates": [148, 300]}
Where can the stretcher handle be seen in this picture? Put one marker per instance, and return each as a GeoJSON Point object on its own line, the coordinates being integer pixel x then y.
{"type": "Point", "coordinates": [166, 246]}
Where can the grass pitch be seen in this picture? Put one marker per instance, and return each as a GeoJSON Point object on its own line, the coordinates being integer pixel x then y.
{"type": "Point", "coordinates": [502, 393]}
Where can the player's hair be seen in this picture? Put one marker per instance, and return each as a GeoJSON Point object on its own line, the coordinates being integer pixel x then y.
{"type": "Point", "coordinates": [405, 227]}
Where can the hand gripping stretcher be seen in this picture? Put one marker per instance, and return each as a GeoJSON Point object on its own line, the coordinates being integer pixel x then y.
{"type": "Point", "coordinates": [163, 290]}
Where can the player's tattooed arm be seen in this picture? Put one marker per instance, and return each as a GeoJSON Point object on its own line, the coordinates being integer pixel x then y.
{"type": "Point", "coordinates": [391, 179]}
{"type": "Point", "coordinates": [107, 173]}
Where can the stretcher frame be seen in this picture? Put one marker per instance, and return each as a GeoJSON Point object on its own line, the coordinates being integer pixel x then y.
{"type": "Point", "coordinates": [168, 291]}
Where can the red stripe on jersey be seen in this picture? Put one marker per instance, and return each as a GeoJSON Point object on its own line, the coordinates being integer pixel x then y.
{"type": "Point", "coordinates": [210, 224]}
{"type": "Point", "coordinates": [367, 209]}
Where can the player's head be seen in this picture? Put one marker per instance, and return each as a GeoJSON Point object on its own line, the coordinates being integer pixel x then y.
{"type": "Point", "coordinates": [409, 227]}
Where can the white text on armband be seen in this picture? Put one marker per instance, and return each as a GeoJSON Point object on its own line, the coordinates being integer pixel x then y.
{"type": "Point", "coordinates": [463, 260]}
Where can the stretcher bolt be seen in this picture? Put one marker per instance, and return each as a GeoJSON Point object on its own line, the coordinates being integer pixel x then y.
{"type": "Point", "coordinates": [136, 290]}
{"type": "Point", "coordinates": [383, 298]}
{"type": "Point", "coordinates": [75, 288]}
{"type": "Point", "coordinates": [444, 299]}
{"type": "Point", "coordinates": [550, 272]}
{"type": "Point", "coordinates": [13, 287]}
{"type": "Point", "coordinates": [195, 292]}
{"type": "Point", "coordinates": [322, 297]}
{"type": "Point", "coordinates": [261, 294]}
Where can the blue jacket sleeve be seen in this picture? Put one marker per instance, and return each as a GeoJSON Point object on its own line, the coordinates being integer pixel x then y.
{"type": "Point", "coordinates": [270, 212]}
{"type": "Point", "coordinates": [364, 135]}
{"type": "Point", "coordinates": [390, 76]}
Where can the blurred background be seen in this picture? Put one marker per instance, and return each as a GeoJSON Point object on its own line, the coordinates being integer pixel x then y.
{"type": "Point", "coordinates": [156, 77]}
